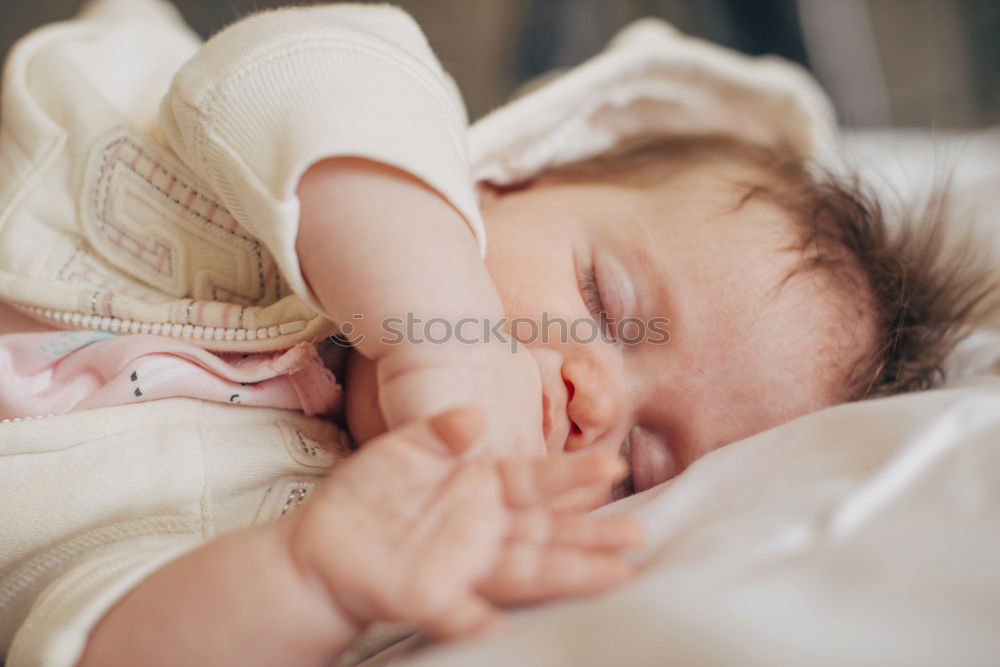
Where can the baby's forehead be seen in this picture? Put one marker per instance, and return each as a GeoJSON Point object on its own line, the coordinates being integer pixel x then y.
{"type": "Point", "coordinates": [738, 275]}
{"type": "Point", "coordinates": [730, 213]}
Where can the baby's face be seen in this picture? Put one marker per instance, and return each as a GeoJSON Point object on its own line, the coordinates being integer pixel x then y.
{"type": "Point", "coordinates": [742, 355]}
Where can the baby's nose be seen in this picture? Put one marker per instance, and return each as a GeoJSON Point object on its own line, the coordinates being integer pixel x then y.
{"type": "Point", "coordinates": [592, 410]}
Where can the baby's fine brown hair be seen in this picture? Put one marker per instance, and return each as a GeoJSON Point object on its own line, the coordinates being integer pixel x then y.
{"type": "Point", "coordinates": [922, 287]}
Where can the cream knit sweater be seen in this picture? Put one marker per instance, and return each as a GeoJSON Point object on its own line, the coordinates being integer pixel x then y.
{"type": "Point", "coordinates": [147, 184]}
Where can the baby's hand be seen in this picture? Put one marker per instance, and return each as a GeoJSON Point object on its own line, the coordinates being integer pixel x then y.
{"type": "Point", "coordinates": [408, 530]}
{"type": "Point", "coordinates": [501, 379]}
{"type": "Point", "coordinates": [411, 256]}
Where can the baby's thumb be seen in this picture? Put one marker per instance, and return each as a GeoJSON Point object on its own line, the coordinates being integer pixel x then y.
{"type": "Point", "coordinates": [458, 427]}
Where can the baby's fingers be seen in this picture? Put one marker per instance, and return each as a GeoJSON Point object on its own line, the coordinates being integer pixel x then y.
{"type": "Point", "coordinates": [470, 615]}
{"type": "Point", "coordinates": [529, 482]}
{"type": "Point", "coordinates": [527, 573]}
{"type": "Point", "coordinates": [584, 531]}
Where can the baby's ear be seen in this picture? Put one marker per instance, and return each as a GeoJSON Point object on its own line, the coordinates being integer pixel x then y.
{"type": "Point", "coordinates": [489, 192]}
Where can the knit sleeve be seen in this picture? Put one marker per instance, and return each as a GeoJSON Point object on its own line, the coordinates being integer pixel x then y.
{"type": "Point", "coordinates": [274, 93]}
{"type": "Point", "coordinates": [55, 631]}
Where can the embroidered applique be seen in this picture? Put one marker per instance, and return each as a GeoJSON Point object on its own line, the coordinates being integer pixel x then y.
{"type": "Point", "coordinates": [311, 452]}
{"type": "Point", "coordinates": [285, 496]}
{"type": "Point", "coordinates": [82, 269]}
{"type": "Point", "coordinates": [151, 218]}
{"type": "Point", "coordinates": [296, 496]}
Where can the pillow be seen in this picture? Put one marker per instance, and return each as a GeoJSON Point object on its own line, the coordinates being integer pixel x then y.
{"type": "Point", "coordinates": [904, 166]}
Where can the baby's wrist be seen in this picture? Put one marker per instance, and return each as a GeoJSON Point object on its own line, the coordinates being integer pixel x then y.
{"type": "Point", "coordinates": [318, 598]}
{"type": "Point", "coordinates": [448, 369]}
{"type": "Point", "coordinates": [445, 352]}
{"type": "Point", "coordinates": [418, 381]}
{"type": "Point", "coordinates": [505, 385]}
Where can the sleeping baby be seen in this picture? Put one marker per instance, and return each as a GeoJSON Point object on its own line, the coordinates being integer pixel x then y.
{"type": "Point", "coordinates": [291, 389]}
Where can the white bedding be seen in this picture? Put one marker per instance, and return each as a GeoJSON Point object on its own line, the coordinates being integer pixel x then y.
{"type": "Point", "coordinates": [866, 534]}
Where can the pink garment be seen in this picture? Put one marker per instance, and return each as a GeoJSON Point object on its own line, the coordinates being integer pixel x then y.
{"type": "Point", "coordinates": [55, 372]}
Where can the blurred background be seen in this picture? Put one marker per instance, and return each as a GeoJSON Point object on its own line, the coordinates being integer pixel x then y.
{"type": "Point", "coordinates": [909, 63]}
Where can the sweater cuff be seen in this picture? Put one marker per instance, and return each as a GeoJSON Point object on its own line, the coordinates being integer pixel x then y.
{"type": "Point", "coordinates": [56, 631]}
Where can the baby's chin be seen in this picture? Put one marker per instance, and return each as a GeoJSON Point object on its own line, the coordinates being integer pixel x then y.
{"type": "Point", "coordinates": [361, 410]}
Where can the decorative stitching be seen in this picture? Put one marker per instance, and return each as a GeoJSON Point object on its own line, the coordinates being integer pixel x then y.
{"type": "Point", "coordinates": [80, 269]}
{"type": "Point", "coordinates": [296, 496]}
{"type": "Point", "coordinates": [137, 247]}
{"type": "Point", "coordinates": [333, 444]}
{"type": "Point", "coordinates": [125, 152]}
{"type": "Point", "coordinates": [307, 446]}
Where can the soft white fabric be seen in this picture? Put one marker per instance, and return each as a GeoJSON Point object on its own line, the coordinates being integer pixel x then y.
{"type": "Point", "coordinates": [904, 167]}
{"type": "Point", "coordinates": [94, 501]}
{"type": "Point", "coordinates": [281, 90]}
{"type": "Point", "coordinates": [652, 80]}
{"type": "Point", "coordinates": [159, 176]}
{"type": "Point", "coordinates": [865, 534]}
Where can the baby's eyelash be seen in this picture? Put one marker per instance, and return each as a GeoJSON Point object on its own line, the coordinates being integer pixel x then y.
{"type": "Point", "coordinates": [592, 298]}
{"type": "Point", "coordinates": [592, 293]}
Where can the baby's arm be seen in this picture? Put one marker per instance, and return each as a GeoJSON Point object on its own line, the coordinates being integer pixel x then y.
{"type": "Point", "coordinates": [374, 240]}
{"type": "Point", "coordinates": [405, 530]}
{"type": "Point", "coordinates": [332, 134]}
{"type": "Point", "coordinates": [238, 600]}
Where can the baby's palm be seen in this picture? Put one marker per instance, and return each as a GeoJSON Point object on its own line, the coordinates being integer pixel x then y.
{"type": "Point", "coordinates": [406, 530]}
